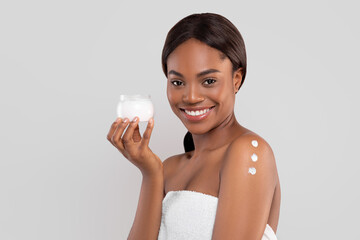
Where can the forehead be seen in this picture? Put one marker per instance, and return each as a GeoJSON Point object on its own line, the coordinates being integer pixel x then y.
{"type": "Point", "coordinates": [196, 56]}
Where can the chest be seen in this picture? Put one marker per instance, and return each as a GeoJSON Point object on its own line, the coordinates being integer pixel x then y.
{"type": "Point", "coordinates": [201, 174]}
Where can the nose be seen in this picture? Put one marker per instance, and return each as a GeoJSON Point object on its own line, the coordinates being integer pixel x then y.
{"type": "Point", "coordinates": [192, 95]}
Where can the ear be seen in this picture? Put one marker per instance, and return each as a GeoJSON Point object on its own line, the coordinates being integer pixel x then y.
{"type": "Point", "coordinates": [237, 78]}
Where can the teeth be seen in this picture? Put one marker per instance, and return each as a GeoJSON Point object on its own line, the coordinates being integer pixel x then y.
{"type": "Point", "coordinates": [197, 113]}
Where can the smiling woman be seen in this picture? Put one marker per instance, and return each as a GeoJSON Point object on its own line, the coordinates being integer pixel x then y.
{"type": "Point", "coordinates": [225, 185]}
{"type": "Point", "coordinates": [204, 60]}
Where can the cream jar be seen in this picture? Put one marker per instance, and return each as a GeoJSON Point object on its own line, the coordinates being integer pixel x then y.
{"type": "Point", "coordinates": [131, 106]}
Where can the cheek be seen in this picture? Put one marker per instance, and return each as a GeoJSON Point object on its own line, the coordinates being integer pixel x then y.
{"type": "Point", "coordinates": [171, 96]}
{"type": "Point", "coordinates": [219, 94]}
{"type": "Point", "coordinates": [223, 96]}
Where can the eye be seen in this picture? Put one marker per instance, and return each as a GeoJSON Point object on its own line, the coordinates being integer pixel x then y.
{"type": "Point", "coordinates": [176, 83]}
{"type": "Point", "coordinates": [210, 81]}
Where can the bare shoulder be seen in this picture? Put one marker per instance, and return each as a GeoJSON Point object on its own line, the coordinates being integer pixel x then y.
{"type": "Point", "coordinates": [251, 142]}
{"type": "Point", "coordinates": [250, 150]}
{"type": "Point", "coordinates": [170, 164]}
{"type": "Point", "coordinates": [247, 185]}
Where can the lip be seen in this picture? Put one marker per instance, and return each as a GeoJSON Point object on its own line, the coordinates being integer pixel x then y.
{"type": "Point", "coordinates": [196, 118]}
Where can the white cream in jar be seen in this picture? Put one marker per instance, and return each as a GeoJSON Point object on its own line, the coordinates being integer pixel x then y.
{"type": "Point", "coordinates": [131, 106]}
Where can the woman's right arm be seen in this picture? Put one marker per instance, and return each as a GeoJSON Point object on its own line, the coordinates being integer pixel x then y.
{"type": "Point", "coordinates": [148, 214]}
{"type": "Point", "coordinates": [135, 148]}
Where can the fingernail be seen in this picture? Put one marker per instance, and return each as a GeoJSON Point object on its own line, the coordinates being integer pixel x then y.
{"type": "Point", "coordinates": [118, 120]}
{"type": "Point", "coordinates": [135, 119]}
{"type": "Point", "coordinates": [126, 120]}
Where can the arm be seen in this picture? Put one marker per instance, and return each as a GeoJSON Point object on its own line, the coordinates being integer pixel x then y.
{"type": "Point", "coordinates": [135, 148]}
{"type": "Point", "coordinates": [245, 199]}
{"type": "Point", "coordinates": [148, 213]}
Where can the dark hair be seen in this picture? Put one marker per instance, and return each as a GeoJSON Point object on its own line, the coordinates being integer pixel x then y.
{"type": "Point", "coordinates": [214, 30]}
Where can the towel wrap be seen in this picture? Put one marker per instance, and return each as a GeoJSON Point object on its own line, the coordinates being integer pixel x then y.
{"type": "Point", "coordinates": [191, 215]}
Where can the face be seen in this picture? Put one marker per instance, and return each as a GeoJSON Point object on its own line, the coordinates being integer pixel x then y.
{"type": "Point", "coordinates": [201, 86]}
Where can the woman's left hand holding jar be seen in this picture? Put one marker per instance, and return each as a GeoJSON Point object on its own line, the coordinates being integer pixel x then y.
{"type": "Point", "coordinates": [134, 147]}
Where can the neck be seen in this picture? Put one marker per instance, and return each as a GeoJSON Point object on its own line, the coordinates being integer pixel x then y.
{"type": "Point", "coordinates": [218, 136]}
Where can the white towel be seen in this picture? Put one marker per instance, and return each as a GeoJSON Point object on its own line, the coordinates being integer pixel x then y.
{"type": "Point", "coordinates": [190, 215]}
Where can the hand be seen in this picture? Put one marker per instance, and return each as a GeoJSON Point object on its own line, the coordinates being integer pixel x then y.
{"type": "Point", "coordinates": [134, 147]}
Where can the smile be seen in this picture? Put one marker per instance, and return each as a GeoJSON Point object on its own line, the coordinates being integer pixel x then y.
{"type": "Point", "coordinates": [195, 115]}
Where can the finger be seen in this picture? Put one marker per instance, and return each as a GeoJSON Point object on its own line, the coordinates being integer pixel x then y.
{"type": "Point", "coordinates": [116, 138]}
{"type": "Point", "coordinates": [147, 132]}
{"type": "Point", "coordinates": [136, 136]}
{"type": "Point", "coordinates": [112, 129]}
{"type": "Point", "coordinates": [127, 138]}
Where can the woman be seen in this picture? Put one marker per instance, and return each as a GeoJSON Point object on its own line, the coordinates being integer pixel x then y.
{"type": "Point", "coordinates": [225, 185]}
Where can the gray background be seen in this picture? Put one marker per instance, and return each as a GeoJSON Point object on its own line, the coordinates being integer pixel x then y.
{"type": "Point", "coordinates": [63, 65]}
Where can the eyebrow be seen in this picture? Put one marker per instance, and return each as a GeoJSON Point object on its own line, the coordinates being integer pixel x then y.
{"type": "Point", "coordinates": [208, 71]}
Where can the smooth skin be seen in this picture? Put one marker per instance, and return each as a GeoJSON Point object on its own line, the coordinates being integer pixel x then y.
{"type": "Point", "coordinates": [220, 162]}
